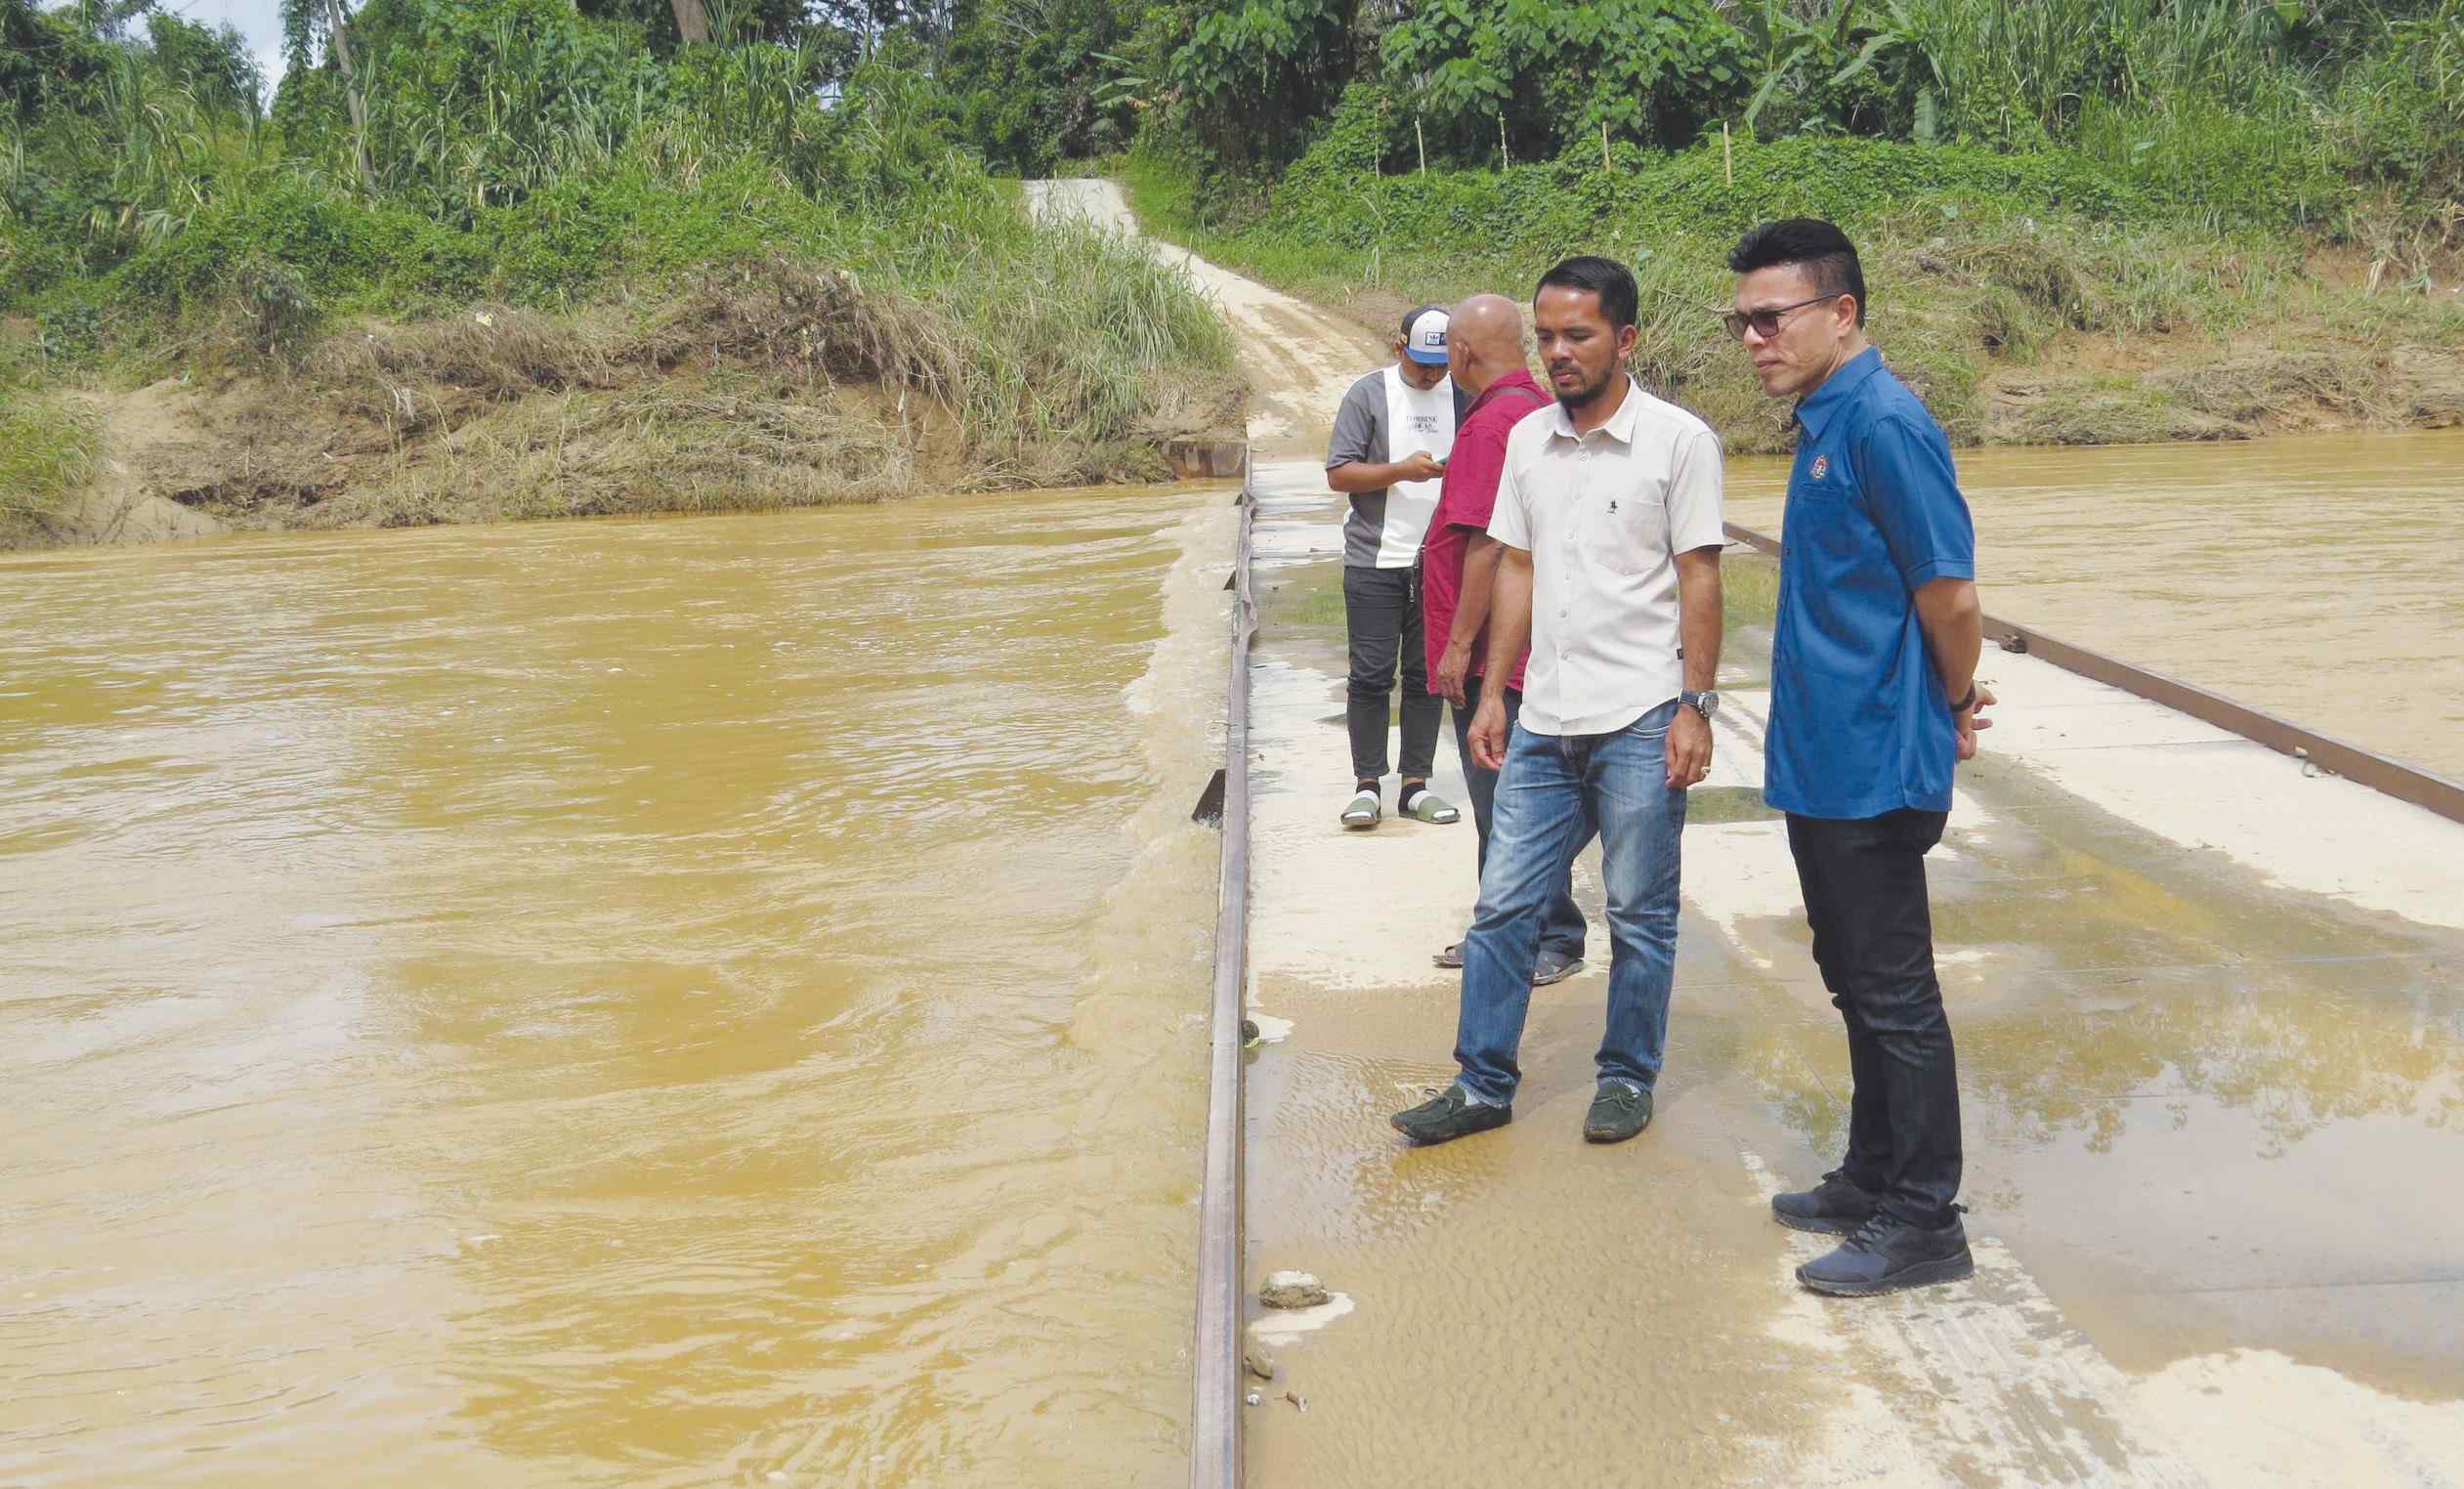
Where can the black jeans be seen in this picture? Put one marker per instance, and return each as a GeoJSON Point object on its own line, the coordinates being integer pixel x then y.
{"type": "Point", "coordinates": [1873, 937]}
{"type": "Point", "coordinates": [1561, 929]}
{"type": "Point", "coordinates": [1381, 618]}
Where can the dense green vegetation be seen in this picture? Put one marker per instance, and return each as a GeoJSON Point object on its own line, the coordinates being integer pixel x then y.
{"type": "Point", "coordinates": [2129, 169]}
{"type": "Point", "coordinates": [2265, 111]}
{"type": "Point", "coordinates": [2024, 174]}
{"type": "Point", "coordinates": [424, 158]}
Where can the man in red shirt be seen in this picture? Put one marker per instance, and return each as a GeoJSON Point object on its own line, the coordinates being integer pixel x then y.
{"type": "Point", "coordinates": [1458, 563]}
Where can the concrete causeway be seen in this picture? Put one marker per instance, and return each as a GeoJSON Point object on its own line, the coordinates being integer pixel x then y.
{"type": "Point", "coordinates": [2211, 1035]}
{"type": "Point", "coordinates": [2210, 1013]}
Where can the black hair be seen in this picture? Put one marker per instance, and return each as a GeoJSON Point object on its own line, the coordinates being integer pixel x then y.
{"type": "Point", "coordinates": [1415, 313]}
{"type": "Point", "coordinates": [1619, 301]}
{"type": "Point", "coordinates": [1820, 247]}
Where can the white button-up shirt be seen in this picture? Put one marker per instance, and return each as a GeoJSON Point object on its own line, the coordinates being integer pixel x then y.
{"type": "Point", "coordinates": [1603, 517]}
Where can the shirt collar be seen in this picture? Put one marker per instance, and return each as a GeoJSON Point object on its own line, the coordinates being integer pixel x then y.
{"type": "Point", "coordinates": [1620, 424]}
{"type": "Point", "coordinates": [1816, 409]}
{"type": "Point", "coordinates": [1519, 378]}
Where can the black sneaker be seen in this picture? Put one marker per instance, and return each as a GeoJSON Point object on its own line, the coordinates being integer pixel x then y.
{"type": "Point", "coordinates": [1885, 1255]}
{"type": "Point", "coordinates": [1832, 1207]}
{"type": "Point", "coordinates": [1617, 1113]}
{"type": "Point", "coordinates": [1449, 1115]}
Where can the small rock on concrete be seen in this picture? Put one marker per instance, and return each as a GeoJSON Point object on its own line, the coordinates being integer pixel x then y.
{"type": "Point", "coordinates": [1293, 1290]}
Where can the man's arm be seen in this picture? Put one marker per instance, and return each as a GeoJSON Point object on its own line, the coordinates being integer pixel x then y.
{"type": "Point", "coordinates": [1356, 435]}
{"type": "Point", "coordinates": [1915, 501]}
{"type": "Point", "coordinates": [1510, 629]}
{"type": "Point", "coordinates": [1698, 627]}
{"type": "Point", "coordinates": [1954, 623]}
{"type": "Point", "coordinates": [1353, 477]}
{"type": "Point", "coordinates": [1471, 612]}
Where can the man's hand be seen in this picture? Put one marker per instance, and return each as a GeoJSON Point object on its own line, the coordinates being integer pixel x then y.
{"type": "Point", "coordinates": [1973, 722]}
{"type": "Point", "coordinates": [1451, 668]}
{"type": "Point", "coordinates": [1418, 465]}
{"type": "Point", "coordinates": [1488, 732]}
{"type": "Point", "coordinates": [1689, 748]}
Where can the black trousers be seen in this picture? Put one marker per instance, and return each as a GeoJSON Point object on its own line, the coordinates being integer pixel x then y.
{"type": "Point", "coordinates": [1873, 938]}
{"type": "Point", "coordinates": [1381, 619]}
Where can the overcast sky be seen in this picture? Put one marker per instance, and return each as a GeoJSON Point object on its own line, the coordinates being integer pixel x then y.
{"type": "Point", "coordinates": [257, 20]}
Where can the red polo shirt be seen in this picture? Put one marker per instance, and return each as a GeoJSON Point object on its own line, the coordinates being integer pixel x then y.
{"type": "Point", "coordinates": [1464, 500]}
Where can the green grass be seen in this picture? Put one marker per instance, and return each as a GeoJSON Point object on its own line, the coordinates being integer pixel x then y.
{"type": "Point", "coordinates": [1748, 591]}
{"type": "Point", "coordinates": [48, 448]}
{"type": "Point", "coordinates": [1708, 805]}
{"type": "Point", "coordinates": [1979, 267]}
{"type": "Point", "coordinates": [519, 153]}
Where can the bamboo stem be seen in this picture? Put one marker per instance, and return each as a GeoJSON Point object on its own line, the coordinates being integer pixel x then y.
{"type": "Point", "coordinates": [1727, 157]}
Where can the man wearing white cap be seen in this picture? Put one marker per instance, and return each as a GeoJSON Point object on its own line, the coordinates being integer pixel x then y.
{"type": "Point", "coordinates": [1391, 438]}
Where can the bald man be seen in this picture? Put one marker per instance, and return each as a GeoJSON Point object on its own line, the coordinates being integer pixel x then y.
{"type": "Point", "coordinates": [1458, 564]}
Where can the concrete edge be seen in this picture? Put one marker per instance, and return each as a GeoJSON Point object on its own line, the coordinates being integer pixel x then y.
{"type": "Point", "coordinates": [2366, 767]}
{"type": "Point", "coordinates": [1214, 1424]}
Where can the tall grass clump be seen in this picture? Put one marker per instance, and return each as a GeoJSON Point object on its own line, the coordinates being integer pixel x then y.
{"type": "Point", "coordinates": [536, 153]}
{"type": "Point", "coordinates": [48, 448]}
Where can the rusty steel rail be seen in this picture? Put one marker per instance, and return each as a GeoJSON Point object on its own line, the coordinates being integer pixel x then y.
{"type": "Point", "coordinates": [1214, 1420]}
{"type": "Point", "coordinates": [2394, 778]}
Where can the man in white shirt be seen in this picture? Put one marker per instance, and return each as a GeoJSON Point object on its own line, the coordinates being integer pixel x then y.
{"type": "Point", "coordinates": [1391, 437]}
{"type": "Point", "coordinates": [1609, 514]}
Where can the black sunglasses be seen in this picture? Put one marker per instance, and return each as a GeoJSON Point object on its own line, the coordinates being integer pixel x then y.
{"type": "Point", "coordinates": [1765, 322]}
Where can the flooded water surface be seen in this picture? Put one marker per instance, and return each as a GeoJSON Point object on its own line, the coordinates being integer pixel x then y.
{"type": "Point", "coordinates": [620, 1002]}
{"type": "Point", "coordinates": [2315, 577]}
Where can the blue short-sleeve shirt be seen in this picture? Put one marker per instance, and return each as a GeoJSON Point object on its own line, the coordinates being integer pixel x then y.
{"type": "Point", "coordinates": [1859, 723]}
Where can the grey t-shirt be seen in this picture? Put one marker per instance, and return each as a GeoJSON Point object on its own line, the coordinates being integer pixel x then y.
{"type": "Point", "coordinates": [1360, 434]}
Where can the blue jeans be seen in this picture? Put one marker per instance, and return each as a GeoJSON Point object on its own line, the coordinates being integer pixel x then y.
{"type": "Point", "coordinates": [1555, 795]}
{"type": "Point", "coordinates": [1563, 930]}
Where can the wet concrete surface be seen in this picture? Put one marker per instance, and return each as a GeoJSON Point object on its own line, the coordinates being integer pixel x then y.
{"type": "Point", "coordinates": [2210, 1015]}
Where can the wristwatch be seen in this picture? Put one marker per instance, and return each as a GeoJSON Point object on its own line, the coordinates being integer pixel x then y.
{"type": "Point", "coordinates": [1704, 704]}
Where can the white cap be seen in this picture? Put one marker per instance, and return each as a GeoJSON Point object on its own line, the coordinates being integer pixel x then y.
{"type": "Point", "coordinates": [1424, 338]}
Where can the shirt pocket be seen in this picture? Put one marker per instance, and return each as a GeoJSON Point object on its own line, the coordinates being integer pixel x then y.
{"type": "Point", "coordinates": [1628, 525]}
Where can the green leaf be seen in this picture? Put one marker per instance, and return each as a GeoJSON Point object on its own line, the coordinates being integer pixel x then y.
{"type": "Point", "coordinates": [1865, 58]}
{"type": "Point", "coordinates": [1762, 95]}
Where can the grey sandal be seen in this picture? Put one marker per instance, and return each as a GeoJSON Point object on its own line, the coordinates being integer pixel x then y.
{"type": "Point", "coordinates": [1430, 807]}
{"type": "Point", "coordinates": [1364, 811]}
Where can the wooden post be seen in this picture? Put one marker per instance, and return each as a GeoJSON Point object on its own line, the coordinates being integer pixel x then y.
{"type": "Point", "coordinates": [1424, 139]}
{"type": "Point", "coordinates": [1505, 162]}
{"type": "Point", "coordinates": [1604, 165]}
{"type": "Point", "coordinates": [1728, 158]}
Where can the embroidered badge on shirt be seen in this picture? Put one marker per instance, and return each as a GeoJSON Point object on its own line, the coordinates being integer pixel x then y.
{"type": "Point", "coordinates": [1821, 466]}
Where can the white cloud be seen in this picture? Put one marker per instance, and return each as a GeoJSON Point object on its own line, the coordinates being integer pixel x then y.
{"type": "Point", "coordinates": [260, 21]}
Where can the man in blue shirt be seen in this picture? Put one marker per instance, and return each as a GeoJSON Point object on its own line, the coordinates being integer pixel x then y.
{"type": "Point", "coordinates": [1874, 697]}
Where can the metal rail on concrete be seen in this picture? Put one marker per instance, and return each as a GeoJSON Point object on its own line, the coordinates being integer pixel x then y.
{"type": "Point", "coordinates": [1215, 1421]}
{"type": "Point", "coordinates": [2395, 777]}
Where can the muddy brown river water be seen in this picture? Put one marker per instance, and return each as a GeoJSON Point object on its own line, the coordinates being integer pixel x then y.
{"type": "Point", "coordinates": [721, 1000]}
{"type": "Point", "coordinates": [2317, 578]}
{"type": "Point", "coordinates": [696, 1002]}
